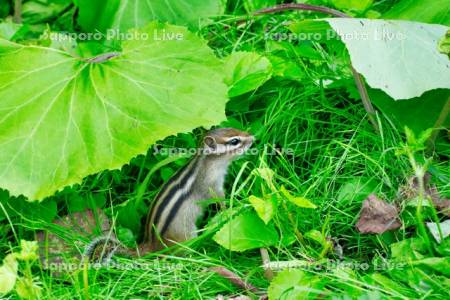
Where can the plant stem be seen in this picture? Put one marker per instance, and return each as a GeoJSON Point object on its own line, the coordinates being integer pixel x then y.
{"type": "Point", "coordinates": [86, 280]}
{"type": "Point", "coordinates": [268, 273]}
{"type": "Point", "coordinates": [298, 6]}
{"type": "Point", "coordinates": [17, 18]}
{"type": "Point", "coordinates": [326, 10]}
{"type": "Point", "coordinates": [420, 173]}
{"type": "Point", "coordinates": [365, 99]}
{"type": "Point", "coordinates": [102, 57]}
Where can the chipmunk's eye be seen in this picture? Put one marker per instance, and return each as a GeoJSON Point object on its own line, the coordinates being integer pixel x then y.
{"type": "Point", "coordinates": [234, 142]}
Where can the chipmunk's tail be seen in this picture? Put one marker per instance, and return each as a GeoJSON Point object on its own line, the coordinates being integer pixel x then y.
{"type": "Point", "coordinates": [103, 248]}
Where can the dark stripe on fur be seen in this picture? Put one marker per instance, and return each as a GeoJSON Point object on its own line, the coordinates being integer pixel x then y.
{"type": "Point", "coordinates": [173, 212]}
{"type": "Point", "coordinates": [149, 222]}
{"type": "Point", "coordinates": [190, 168]}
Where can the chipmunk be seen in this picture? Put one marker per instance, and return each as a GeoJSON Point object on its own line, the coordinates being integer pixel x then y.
{"type": "Point", "coordinates": [175, 210]}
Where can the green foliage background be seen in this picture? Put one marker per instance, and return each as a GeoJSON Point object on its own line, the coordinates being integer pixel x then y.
{"type": "Point", "coordinates": [316, 156]}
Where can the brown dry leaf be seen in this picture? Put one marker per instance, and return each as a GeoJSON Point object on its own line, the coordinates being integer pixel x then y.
{"type": "Point", "coordinates": [55, 248]}
{"type": "Point", "coordinates": [411, 191]}
{"type": "Point", "coordinates": [377, 216]}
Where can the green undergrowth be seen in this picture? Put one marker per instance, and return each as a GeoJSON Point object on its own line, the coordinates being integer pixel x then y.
{"type": "Point", "coordinates": [319, 144]}
{"type": "Point", "coordinates": [316, 142]}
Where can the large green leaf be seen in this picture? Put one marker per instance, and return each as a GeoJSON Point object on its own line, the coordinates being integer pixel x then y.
{"type": "Point", "coordinates": [62, 118]}
{"type": "Point", "coordinates": [123, 14]}
{"type": "Point", "coordinates": [246, 231]}
{"type": "Point", "coordinates": [399, 57]}
{"type": "Point", "coordinates": [8, 29]}
{"type": "Point", "coordinates": [431, 110]}
{"type": "Point", "coordinates": [246, 71]}
{"type": "Point", "coordinates": [427, 11]}
{"type": "Point", "coordinates": [36, 11]}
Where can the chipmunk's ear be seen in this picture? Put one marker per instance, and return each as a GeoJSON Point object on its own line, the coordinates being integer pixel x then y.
{"type": "Point", "coordinates": [210, 142]}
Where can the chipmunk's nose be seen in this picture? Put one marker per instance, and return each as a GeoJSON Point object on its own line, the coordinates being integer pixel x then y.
{"type": "Point", "coordinates": [251, 139]}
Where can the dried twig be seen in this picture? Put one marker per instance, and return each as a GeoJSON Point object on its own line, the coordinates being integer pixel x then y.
{"type": "Point", "coordinates": [299, 6]}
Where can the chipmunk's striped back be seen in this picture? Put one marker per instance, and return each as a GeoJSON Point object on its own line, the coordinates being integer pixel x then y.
{"type": "Point", "coordinates": [175, 209]}
{"type": "Point", "coordinates": [169, 200]}
{"type": "Point", "coordinates": [201, 178]}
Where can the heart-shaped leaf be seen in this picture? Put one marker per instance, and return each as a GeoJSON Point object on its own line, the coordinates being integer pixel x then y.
{"type": "Point", "coordinates": [399, 57]}
{"type": "Point", "coordinates": [63, 118]}
{"type": "Point", "coordinates": [427, 11]}
{"type": "Point", "coordinates": [263, 207]}
{"type": "Point", "coordinates": [121, 15]}
{"type": "Point", "coordinates": [246, 231]}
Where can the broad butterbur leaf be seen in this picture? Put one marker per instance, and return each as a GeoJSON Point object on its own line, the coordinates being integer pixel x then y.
{"type": "Point", "coordinates": [419, 113]}
{"type": "Point", "coordinates": [399, 57]}
{"type": "Point", "coordinates": [246, 231]}
{"type": "Point", "coordinates": [427, 11]}
{"type": "Point", "coordinates": [34, 12]}
{"type": "Point", "coordinates": [63, 118]}
{"type": "Point", "coordinates": [121, 15]}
